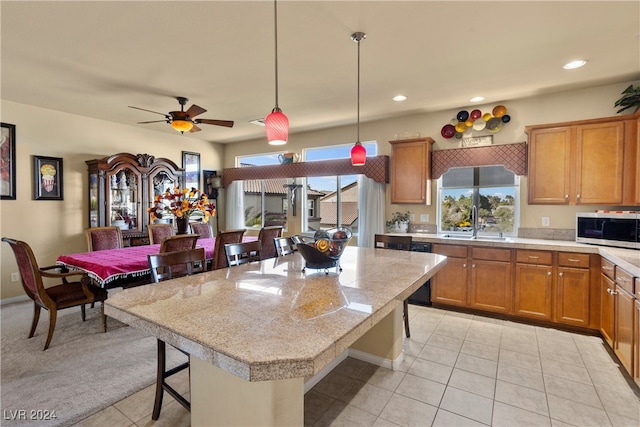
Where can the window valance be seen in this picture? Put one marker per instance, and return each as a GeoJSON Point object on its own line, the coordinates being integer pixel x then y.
{"type": "Point", "coordinates": [511, 156]}
{"type": "Point", "coordinates": [376, 168]}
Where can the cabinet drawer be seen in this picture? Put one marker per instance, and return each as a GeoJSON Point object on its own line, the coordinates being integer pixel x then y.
{"type": "Point", "coordinates": [491, 254]}
{"type": "Point", "coordinates": [534, 257]}
{"type": "Point", "coordinates": [569, 259]}
{"type": "Point", "coordinates": [607, 268]}
{"type": "Point", "coordinates": [456, 251]}
{"type": "Point", "coordinates": [625, 280]}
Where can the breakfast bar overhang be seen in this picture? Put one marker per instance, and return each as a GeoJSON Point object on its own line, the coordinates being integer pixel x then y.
{"type": "Point", "coordinates": [258, 331]}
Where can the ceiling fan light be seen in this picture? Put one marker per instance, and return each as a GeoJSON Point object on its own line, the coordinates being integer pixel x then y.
{"type": "Point", "coordinates": [358, 154]}
{"type": "Point", "coordinates": [277, 126]}
{"type": "Point", "coordinates": [182, 125]}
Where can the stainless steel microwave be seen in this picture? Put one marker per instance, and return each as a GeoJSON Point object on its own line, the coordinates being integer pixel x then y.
{"type": "Point", "coordinates": [609, 229]}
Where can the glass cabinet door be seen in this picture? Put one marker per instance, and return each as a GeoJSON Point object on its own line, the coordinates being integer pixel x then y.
{"type": "Point", "coordinates": [161, 182]}
{"type": "Point", "coordinates": [94, 214]}
{"type": "Point", "coordinates": [124, 199]}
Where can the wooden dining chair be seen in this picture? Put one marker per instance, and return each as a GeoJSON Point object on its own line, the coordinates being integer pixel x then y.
{"type": "Point", "coordinates": [402, 243]}
{"type": "Point", "coordinates": [53, 298]}
{"type": "Point", "coordinates": [181, 242]}
{"type": "Point", "coordinates": [165, 266]}
{"type": "Point", "coordinates": [203, 229]}
{"type": "Point", "coordinates": [101, 238]}
{"type": "Point", "coordinates": [224, 237]}
{"type": "Point", "coordinates": [284, 246]}
{"type": "Point", "coordinates": [242, 253]}
{"type": "Point", "coordinates": [159, 232]}
{"type": "Point", "coordinates": [266, 236]}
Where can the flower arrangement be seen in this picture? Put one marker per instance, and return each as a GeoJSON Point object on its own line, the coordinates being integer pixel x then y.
{"type": "Point", "coordinates": [181, 204]}
{"type": "Point", "coordinates": [399, 222]}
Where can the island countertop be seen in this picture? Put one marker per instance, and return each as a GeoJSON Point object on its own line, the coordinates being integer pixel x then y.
{"type": "Point", "coordinates": [270, 320]}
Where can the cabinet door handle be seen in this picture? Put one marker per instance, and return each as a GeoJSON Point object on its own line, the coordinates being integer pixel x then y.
{"type": "Point", "coordinates": [464, 265]}
{"type": "Point", "coordinates": [473, 266]}
{"type": "Point", "coordinates": [612, 292]}
{"type": "Point", "coordinates": [533, 257]}
{"type": "Point", "coordinates": [605, 267]}
{"type": "Point", "coordinates": [548, 273]}
{"type": "Point", "coordinates": [566, 196]}
{"type": "Point", "coordinates": [623, 279]}
{"type": "Point", "coordinates": [577, 196]}
{"type": "Point", "coordinates": [573, 260]}
{"type": "Point", "coordinates": [561, 274]}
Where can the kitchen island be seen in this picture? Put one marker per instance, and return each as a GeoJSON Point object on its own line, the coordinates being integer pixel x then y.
{"type": "Point", "coordinates": [256, 332]}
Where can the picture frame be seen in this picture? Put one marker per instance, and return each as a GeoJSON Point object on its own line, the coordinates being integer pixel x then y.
{"type": "Point", "coordinates": [477, 141]}
{"type": "Point", "coordinates": [208, 186]}
{"type": "Point", "coordinates": [191, 166]}
{"type": "Point", "coordinates": [7, 161]}
{"type": "Point", "coordinates": [47, 178]}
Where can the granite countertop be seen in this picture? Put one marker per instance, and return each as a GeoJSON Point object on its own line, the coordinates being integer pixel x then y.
{"type": "Point", "coordinates": [269, 320]}
{"type": "Point", "coordinates": [629, 259]}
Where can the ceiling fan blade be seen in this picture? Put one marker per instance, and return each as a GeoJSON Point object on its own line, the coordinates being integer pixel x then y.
{"type": "Point", "coordinates": [226, 123]}
{"type": "Point", "coordinates": [155, 112]}
{"type": "Point", "coordinates": [195, 110]}
{"type": "Point", "coordinates": [195, 129]}
{"type": "Point", "coordinates": [153, 121]}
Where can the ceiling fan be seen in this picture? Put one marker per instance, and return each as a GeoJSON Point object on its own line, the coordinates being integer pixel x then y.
{"type": "Point", "coordinates": [183, 121]}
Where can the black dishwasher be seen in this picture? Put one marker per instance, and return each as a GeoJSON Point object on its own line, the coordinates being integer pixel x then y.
{"type": "Point", "coordinates": [423, 295]}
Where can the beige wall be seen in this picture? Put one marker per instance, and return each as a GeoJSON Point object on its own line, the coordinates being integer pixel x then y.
{"type": "Point", "coordinates": [53, 228]}
{"type": "Point", "coordinates": [57, 227]}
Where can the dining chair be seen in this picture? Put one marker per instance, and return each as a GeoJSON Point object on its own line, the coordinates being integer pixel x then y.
{"type": "Point", "coordinates": [181, 242]}
{"type": "Point", "coordinates": [101, 238]}
{"type": "Point", "coordinates": [402, 243]}
{"type": "Point", "coordinates": [158, 232]}
{"type": "Point", "coordinates": [284, 245]}
{"type": "Point", "coordinates": [224, 237]}
{"type": "Point", "coordinates": [266, 236]}
{"type": "Point", "coordinates": [242, 253]}
{"type": "Point", "coordinates": [203, 229]}
{"type": "Point", "coordinates": [165, 266]}
{"type": "Point", "coordinates": [53, 298]}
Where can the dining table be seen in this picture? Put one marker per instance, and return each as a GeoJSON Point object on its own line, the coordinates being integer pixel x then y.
{"type": "Point", "coordinates": [115, 267]}
{"type": "Point", "coordinates": [260, 333]}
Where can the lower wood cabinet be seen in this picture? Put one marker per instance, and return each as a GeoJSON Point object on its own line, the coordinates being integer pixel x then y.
{"type": "Point", "coordinates": [572, 306]}
{"type": "Point", "coordinates": [533, 288]}
{"type": "Point", "coordinates": [449, 286]}
{"type": "Point", "coordinates": [636, 348]}
{"type": "Point", "coordinates": [490, 286]}
{"type": "Point", "coordinates": [607, 308]}
{"type": "Point", "coordinates": [624, 310]}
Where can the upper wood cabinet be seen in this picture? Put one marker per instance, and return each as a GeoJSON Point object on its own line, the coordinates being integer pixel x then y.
{"type": "Point", "coordinates": [591, 162]}
{"type": "Point", "coordinates": [410, 171]}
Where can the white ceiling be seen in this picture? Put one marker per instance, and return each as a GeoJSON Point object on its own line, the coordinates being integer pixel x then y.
{"type": "Point", "coordinates": [95, 58]}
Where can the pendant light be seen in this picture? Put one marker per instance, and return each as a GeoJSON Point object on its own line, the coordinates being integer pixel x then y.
{"type": "Point", "coordinates": [276, 123]}
{"type": "Point", "coordinates": [358, 152]}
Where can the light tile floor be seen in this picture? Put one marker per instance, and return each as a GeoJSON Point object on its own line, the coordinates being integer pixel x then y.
{"type": "Point", "coordinates": [458, 370]}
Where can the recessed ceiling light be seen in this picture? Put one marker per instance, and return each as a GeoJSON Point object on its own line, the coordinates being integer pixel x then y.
{"type": "Point", "coordinates": [574, 64]}
{"type": "Point", "coordinates": [259, 122]}
{"type": "Point", "coordinates": [399, 98]}
{"type": "Point", "coordinates": [477, 99]}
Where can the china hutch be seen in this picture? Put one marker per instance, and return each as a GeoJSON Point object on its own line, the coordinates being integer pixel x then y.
{"type": "Point", "coordinates": [122, 187]}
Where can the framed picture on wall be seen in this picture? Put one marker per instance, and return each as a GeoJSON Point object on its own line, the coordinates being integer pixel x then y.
{"type": "Point", "coordinates": [8, 162]}
{"type": "Point", "coordinates": [47, 178]}
{"type": "Point", "coordinates": [191, 166]}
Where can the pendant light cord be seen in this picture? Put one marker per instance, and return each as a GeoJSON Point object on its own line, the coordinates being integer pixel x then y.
{"type": "Point", "coordinates": [275, 32]}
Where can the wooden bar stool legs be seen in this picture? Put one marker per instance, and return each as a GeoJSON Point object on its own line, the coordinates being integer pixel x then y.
{"type": "Point", "coordinates": [161, 384]}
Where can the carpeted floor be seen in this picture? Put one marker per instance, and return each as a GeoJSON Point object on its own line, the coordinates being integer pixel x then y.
{"type": "Point", "coordinates": [83, 371]}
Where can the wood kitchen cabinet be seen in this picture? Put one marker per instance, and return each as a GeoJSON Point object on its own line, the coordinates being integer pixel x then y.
{"type": "Point", "coordinates": [410, 171]}
{"type": "Point", "coordinates": [534, 284]}
{"type": "Point", "coordinates": [607, 301]}
{"type": "Point", "coordinates": [624, 310]}
{"type": "Point", "coordinates": [636, 347]}
{"type": "Point", "coordinates": [449, 285]}
{"type": "Point", "coordinates": [490, 285]}
{"type": "Point", "coordinates": [589, 162]}
{"type": "Point", "coordinates": [573, 289]}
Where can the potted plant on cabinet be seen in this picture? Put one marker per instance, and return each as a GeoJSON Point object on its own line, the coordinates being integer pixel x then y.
{"type": "Point", "coordinates": [630, 98]}
{"type": "Point", "coordinates": [399, 222]}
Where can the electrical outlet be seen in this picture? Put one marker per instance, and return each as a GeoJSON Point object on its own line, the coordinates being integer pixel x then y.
{"type": "Point", "coordinates": [545, 221]}
{"type": "Point", "coordinates": [424, 217]}
{"type": "Point", "coordinates": [15, 277]}
{"type": "Point", "coordinates": [412, 217]}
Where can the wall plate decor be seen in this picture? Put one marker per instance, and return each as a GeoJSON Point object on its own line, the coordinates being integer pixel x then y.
{"type": "Point", "coordinates": [8, 162]}
{"type": "Point", "coordinates": [477, 141]}
{"type": "Point", "coordinates": [47, 178]}
{"type": "Point", "coordinates": [191, 166]}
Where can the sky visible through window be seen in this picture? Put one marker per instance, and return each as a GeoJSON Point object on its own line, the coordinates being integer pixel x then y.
{"type": "Point", "coordinates": [327, 183]}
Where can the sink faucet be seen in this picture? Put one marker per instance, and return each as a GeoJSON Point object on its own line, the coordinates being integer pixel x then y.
{"type": "Point", "coordinates": [474, 221]}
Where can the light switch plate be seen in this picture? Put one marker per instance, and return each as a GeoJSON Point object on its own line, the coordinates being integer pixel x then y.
{"type": "Point", "coordinates": [545, 221]}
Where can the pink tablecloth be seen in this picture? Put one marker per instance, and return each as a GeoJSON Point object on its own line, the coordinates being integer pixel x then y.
{"type": "Point", "coordinates": [111, 264]}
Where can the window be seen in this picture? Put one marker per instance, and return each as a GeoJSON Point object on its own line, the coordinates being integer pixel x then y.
{"type": "Point", "coordinates": [332, 200]}
{"type": "Point", "coordinates": [265, 200]}
{"type": "Point", "coordinates": [491, 190]}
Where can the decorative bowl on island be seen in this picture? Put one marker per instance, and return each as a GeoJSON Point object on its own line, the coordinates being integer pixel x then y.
{"type": "Point", "coordinates": [323, 251]}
